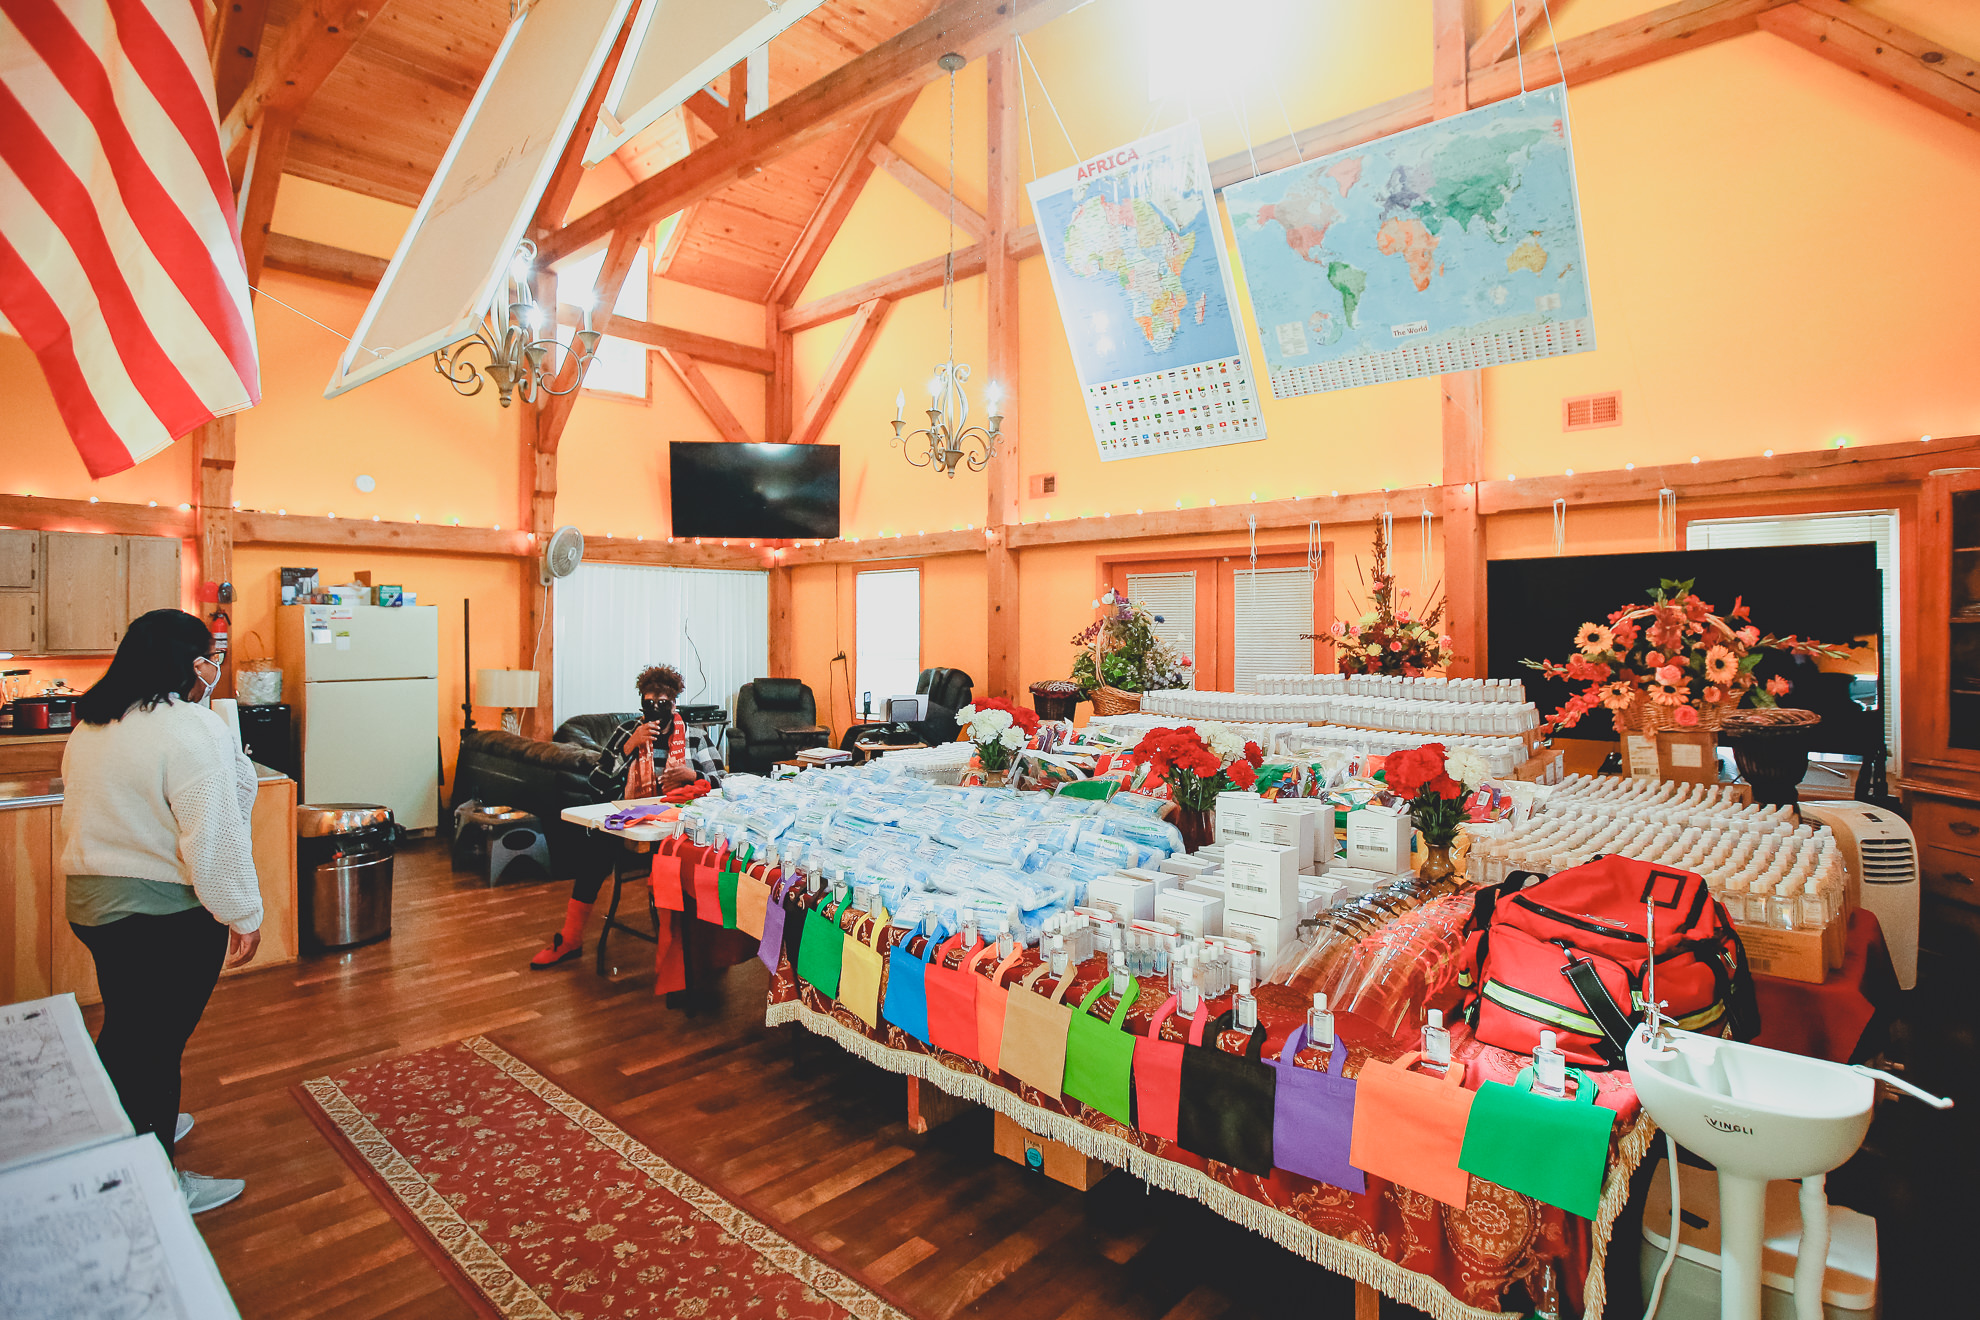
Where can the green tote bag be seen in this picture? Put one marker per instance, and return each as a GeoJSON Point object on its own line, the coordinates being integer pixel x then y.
{"type": "Point", "coordinates": [823, 951]}
{"type": "Point", "coordinates": [726, 882]}
{"type": "Point", "coordinates": [1100, 1055]}
{"type": "Point", "coordinates": [1555, 1151]}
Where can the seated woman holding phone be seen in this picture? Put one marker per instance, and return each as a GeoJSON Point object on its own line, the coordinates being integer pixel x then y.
{"type": "Point", "coordinates": [651, 754]}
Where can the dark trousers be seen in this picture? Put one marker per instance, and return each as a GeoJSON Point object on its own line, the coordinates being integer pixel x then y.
{"type": "Point", "coordinates": [591, 864]}
{"type": "Point", "coordinates": [156, 974]}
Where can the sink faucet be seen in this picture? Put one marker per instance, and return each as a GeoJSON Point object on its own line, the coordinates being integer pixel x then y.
{"type": "Point", "coordinates": [1654, 1019]}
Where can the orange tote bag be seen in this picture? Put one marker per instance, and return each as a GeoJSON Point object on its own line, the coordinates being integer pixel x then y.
{"type": "Point", "coordinates": [1409, 1128]}
{"type": "Point", "coordinates": [991, 999]}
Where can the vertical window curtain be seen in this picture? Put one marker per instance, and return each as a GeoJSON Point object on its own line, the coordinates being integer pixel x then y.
{"type": "Point", "coordinates": [887, 635]}
{"type": "Point", "coordinates": [613, 620]}
{"type": "Point", "coordinates": [1271, 624]}
{"type": "Point", "coordinates": [1878, 526]}
{"type": "Point", "coordinates": [1173, 597]}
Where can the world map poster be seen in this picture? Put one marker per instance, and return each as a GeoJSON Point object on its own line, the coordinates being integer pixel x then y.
{"type": "Point", "coordinates": [1145, 290]}
{"type": "Point", "coordinates": [1443, 248]}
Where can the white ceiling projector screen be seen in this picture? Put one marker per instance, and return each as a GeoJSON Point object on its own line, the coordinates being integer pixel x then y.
{"type": "Point", "coordinates": [677, 47]}
{"type": "Point", "coordinates": [452, 261]}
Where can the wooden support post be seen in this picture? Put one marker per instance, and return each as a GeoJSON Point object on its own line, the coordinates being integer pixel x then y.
{"type": "Point", "coordinates": [1001, 295]}
{"type": "Point", "coordinates": [268, 152]}
{"type": "Point", "coordinates": [1367, 1302]}
{"type": "Point", "coordinates": [213, 542]}
{"type": "Point", "coordinates": [779, 386]}
{"type": "Point", "coordinates": [929, 1107]}
{"type": "Point", "coordinates": [783, 648]}
{"type": "Point", "coordinates": [1463, 420]}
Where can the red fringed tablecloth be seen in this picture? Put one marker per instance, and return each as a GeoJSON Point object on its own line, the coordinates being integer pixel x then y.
{"type": "Point", "coordinates": [1826, 1021]}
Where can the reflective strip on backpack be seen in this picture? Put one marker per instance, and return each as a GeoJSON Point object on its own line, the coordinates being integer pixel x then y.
{"type": "Point", "coordinates": [1544, 1010]}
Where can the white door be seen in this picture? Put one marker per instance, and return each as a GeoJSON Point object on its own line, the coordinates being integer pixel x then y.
{"type": "Point", "coordinates": [371, 641]}
{"type": "Point", "coordinates": [378, 742]}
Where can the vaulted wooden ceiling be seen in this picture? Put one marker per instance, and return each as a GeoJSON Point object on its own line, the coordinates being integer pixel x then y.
{"type": "Point", "coordinates": [382, 120]}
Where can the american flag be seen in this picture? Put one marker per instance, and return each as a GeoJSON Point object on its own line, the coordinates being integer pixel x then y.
{"type": "Point", "coordinates": [120, 264]}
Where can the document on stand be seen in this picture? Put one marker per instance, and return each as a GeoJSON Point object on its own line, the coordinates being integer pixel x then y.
{"type": "Point", "coordinates": [104, 1232]}
{"type": "Point", "coordinates": [54, 1095]}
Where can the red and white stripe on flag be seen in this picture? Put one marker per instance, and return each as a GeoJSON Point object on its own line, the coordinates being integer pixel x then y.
{"type": "Point", "coordinates": [120, 264]}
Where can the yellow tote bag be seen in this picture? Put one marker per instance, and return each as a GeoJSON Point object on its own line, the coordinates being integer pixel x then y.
{"type": "Point", "coordinates": [859, 974]}
{"type": "Point", "coordinates": [752, 900]}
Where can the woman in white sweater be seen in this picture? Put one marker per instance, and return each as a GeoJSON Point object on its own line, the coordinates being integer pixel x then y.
{"type": "Point", "coordinates": [161, 883]}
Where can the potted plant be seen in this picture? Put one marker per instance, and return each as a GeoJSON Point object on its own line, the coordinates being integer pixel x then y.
{"type": "Point", "coordinates": [1000, 731]}
{"type": "Point", "coordinates": [1197, 763]}
{"type": "Point", "coordinates": [1434, 782]}
{"type": "Point", "coordinates": [1121, 657]}
{"type": "Point", "coordinates": [1390, 637]}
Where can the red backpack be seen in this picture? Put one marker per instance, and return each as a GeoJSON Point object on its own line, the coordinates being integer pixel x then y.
{"type": "Point", "coordinates": [1569, 954]}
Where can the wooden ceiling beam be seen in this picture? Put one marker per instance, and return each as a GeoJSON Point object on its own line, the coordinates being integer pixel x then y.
{"type": "Point", "coordinates": [1504, 38]}
{"type": "Point", "coordinates": [42, 514]}
{"type": "Point", "coordinates": [702, 390]}
{"type": "Point", "coordinates": [898, 65]}
{"type": "Point", "coordinates": [676, 553]}
{"type": "Point", "coordinates": [706, 348]}
{"type": "Point", "coordinates": [300, 256]}
{"type": "Point", "coordinates": [837, 203]}
{"type": "Point", "coordinates": [928, 190]}
{"type": "Point", "coordinates": [845, 363]}
{"type": "Point", "coordinates": [237, 42]}
{"type": "Point", "coordinates": [564, 180]}
{"type": "Point", "coordinates": [1919, 70]}
{"type": "Point", "coordinates": [1670, 30]}
{"type": "Point", "coordinates": [256, 527]}
{"type": "Point", "coordinates": [918, 278]}
{"type": "Point", "coordinates": [553, 411]}
{"type": "Point", "coordinates": [313, 43]}
{"type": "Point", "coordinates": [268, 152]}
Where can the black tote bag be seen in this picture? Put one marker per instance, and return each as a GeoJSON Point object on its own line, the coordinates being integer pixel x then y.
{"type": "Point", "coordinates": [1225, 1112]}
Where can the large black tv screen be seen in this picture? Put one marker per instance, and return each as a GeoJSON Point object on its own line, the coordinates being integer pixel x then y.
{"type": "Point", "coordinates": [763, 491]}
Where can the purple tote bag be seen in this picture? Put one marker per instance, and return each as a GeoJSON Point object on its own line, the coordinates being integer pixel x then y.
{"type": "Point", "coordinates": [771, 947]}
{"type": "Point", "coordinates": [1313, 1118]}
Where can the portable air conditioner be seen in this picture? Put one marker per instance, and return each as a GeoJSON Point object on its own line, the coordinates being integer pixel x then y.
{"type": "Point", "coordinates": [1882, 856]}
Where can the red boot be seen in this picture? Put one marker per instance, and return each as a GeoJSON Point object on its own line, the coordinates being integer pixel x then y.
{"type": "Point", "coordinates": [567, 943]}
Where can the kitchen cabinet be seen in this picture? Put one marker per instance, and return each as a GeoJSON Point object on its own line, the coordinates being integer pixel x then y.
{"type": "Point", "coordinates": [20, 622]}
{"type": "Point", "coordinates": [85, 588]}
{"type": "Point", "coordinates": [70, 593]}
{"type": "Point", "coordinates": [20, 560]}
{"type": "Point", "coordinates": [152, 572]}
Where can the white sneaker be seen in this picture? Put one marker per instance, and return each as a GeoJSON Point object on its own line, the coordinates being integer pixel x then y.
{"type": "Point", "coordinates": [204, 1193]}
{"type": "Point", "coordinates": [184, 1126]}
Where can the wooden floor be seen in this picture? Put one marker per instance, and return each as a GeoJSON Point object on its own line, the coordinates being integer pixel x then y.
{"type": "Point", "coordinates": [807, 1137]}
{"type": "Point", "coordinates": [815, 1142]}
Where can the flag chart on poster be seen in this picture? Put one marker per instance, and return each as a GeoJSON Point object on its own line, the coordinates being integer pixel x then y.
{"type": "Point", "coordinates": [1439, 249]}
{"type": "Point", "coordinates": [1146, 292]}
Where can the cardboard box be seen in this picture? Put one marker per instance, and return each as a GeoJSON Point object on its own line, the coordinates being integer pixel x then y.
{"type": "Point", "coordinates": [1195, 914]}
{"type": "Point", "coordinates": [1037, 1154]}
{"type": "Point", "coordinates": [1379, 840]}
{"type": "Point", "coordinates": [1262, 878]}
{"type": "Point", "coordinates": [1160, 879]}
{"type": "Point", "coordinates": [1237, 820]}
{"type": "Point", "coordinates": [1792, 955]}
{"type": "Point", "coordinates": [1266, 934]}
{"type": "Point", "coordinates": [1186, 866]}
{"type": "Point", "coordinates": [1690, 756]}
{"type": "Point", "coordinates": [1124, 896]}
{"type": "Point", "coordinates": [1210, 884]}
{"type": "Point", "coordinates": [1288, 827]}
{"type": "Point", "coordinates": [1546, 766]}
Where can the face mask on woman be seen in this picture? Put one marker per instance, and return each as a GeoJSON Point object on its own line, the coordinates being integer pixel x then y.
{"type": "Point", "coordinates": [202, 689]}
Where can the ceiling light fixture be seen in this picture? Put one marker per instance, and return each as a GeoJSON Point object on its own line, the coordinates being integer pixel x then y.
{"type": "Point", "coordinates": [521, 345]}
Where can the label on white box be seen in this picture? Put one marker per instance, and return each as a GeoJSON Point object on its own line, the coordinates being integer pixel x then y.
{"type": "Point", "coordinates": [1121, 895]}
{"type": "Point", "coordinates": [1261, 878]}
{"type": "Point", "coordinates": [1378, 840]}
{"type": "Point", "coordinates": [1194, 914]}
{"type": "Point", "coordinates": [1237, 817]}
{"type": "Point", "coordinates": [1264, 933]}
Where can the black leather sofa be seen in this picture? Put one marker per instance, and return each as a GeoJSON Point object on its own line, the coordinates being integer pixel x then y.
{"type": "Point", "coordinates": [542, 778]}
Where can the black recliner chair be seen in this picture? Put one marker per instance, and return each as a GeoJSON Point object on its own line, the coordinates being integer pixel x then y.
{"type": "Point", "coordinates": [948, 691]}
{"type": "Point", "coordinates": [767, 713]}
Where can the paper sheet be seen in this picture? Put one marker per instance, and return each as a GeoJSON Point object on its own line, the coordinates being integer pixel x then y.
{"type": "Point", "coordinates": [54, 1095]}
{"type": "Point", "coordinates": [105, 1232]}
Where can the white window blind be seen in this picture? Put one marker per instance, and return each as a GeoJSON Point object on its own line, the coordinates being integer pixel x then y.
{"type": "Point", "coordinates": [613, 620]}
{"type": "Point", "coordinates": [1270, 609]}
{"type": "Point", "coordinates": [1173, 597]}
{"type": "Point", "coordinates": [887, 634]}
{"type": "Point", "coordinates": [1879, 526]}
{"type": "Point", "coordinates": [620, 366]}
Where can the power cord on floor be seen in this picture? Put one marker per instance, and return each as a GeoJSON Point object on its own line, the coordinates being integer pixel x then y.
{"type": "Point", "coordinates": [1670, 1255]}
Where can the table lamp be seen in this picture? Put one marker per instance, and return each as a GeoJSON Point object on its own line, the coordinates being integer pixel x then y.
{"type": "Point", "coordinates": [512, 689]}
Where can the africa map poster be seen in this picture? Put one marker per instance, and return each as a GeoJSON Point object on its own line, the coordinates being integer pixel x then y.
{"type": "Point", "coordinates": [1145, 290]}
{"type": "Point", "coordinates": [1442, 248]}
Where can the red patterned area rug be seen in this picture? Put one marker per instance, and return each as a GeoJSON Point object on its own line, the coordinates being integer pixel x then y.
{"type": "Point", "coordinates": [537, 1206]}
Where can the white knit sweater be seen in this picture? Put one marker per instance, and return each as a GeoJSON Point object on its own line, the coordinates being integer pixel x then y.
{"type": "Point", "coordinates": [164, 794]}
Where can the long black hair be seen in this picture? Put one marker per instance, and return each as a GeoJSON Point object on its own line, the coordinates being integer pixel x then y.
{"type": "Point", "coordinates": [153, 663]}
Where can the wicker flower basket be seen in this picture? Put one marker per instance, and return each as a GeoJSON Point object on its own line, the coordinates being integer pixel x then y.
{"type": "Point", "coordinates": [1650, 717]}
{"type": "Point", "coordinates": [1110, 700]}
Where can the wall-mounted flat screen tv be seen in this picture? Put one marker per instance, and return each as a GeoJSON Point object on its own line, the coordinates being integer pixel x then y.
{"type": "Point", "coordinates": [760, 491]}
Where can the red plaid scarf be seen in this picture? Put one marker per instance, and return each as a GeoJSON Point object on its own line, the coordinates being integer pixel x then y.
{"type": "Point", "coordinates": [641, 779]}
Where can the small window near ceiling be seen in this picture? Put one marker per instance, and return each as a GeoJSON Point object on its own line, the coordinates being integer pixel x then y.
{"type": "Point", "coordinates": [887, 636]}
{"type": "Point", "coordinates": [1171, 597]}
{"type": "Point", "coordinates": [620, 366]}
{"type": "Point", "coordinates": [1272, 624]}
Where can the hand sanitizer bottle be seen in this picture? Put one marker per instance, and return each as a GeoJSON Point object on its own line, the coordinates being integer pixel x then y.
{"type": "Point", "coordinates": [1436, 1044]}
{"type": "Point", "coordinates": [1549, 1069]}
{"type": "Point", "coordinates": [1006, 942]}
{"type": "Point", "coordinates": [1163, 955]}
{"type": "Point", "coordinates": [1320, 1023]}
{"type": "Point", "coordinates": [1121, 977]}
{"type": "Point", "coordinates": [1246, 1005]}
{"type": "Point", "coordinates": [1058, 956]}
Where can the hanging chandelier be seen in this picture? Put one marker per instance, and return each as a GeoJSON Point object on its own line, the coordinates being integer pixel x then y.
{"type": "Point", "coordinates": [949, 441]}
{"type": "Point", "coordinates": [524, 353]}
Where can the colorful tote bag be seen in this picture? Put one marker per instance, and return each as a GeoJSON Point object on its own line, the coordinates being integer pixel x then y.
{"type": "Point", "coordinates": [952, 1001]}
{"type": "Point", "coordinates": [665, 879]}
{"type": "Point", "coordinates": [1313, 1118]}
{"type": "Point", "coordinates": [1158, 1074]}
{"type": "Point", "coordinates": [1409, 1128]}
{"type": "Point", "coordinates": [1555, 1151]}
{"type": "Point", "coordinates": [823, 956]}
{"type": "Point", "coordinates": [795, 910]}
{"type": "Point", "coordinates": [704, 877]}
{"type": "Point", "coordinates": [861, 966]}
{"type": "Point", "coordinates": [1033, 1049]}
{"type": "Point", "coordinates": [991, 999]}
{"type": "Point", "coordinates": [1226, 1104]}
{"type": "Point", "coordinates": [906, 1004]}
{"type": "Point", "coordinates": [1100, 1055]}
{"type": "Point", "coordinates": [727, 881]}
{"type": "Point", "coordinates": [770, 948]}
{"type": "Point", "coordinates": [752, 901]}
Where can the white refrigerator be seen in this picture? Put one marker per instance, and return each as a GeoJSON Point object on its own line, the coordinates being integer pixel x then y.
{"type": "Point", "coordinates": [365, 683]}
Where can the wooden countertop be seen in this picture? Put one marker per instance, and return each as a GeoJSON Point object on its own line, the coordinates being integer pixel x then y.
{"type": "Point", "coordinates": [11, 739]}
{"type": "Point", "coordinates": [46, 790]}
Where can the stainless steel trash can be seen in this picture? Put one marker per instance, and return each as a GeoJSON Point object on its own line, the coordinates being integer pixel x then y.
{"type": "Point", "coordinates": [344, 854]}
